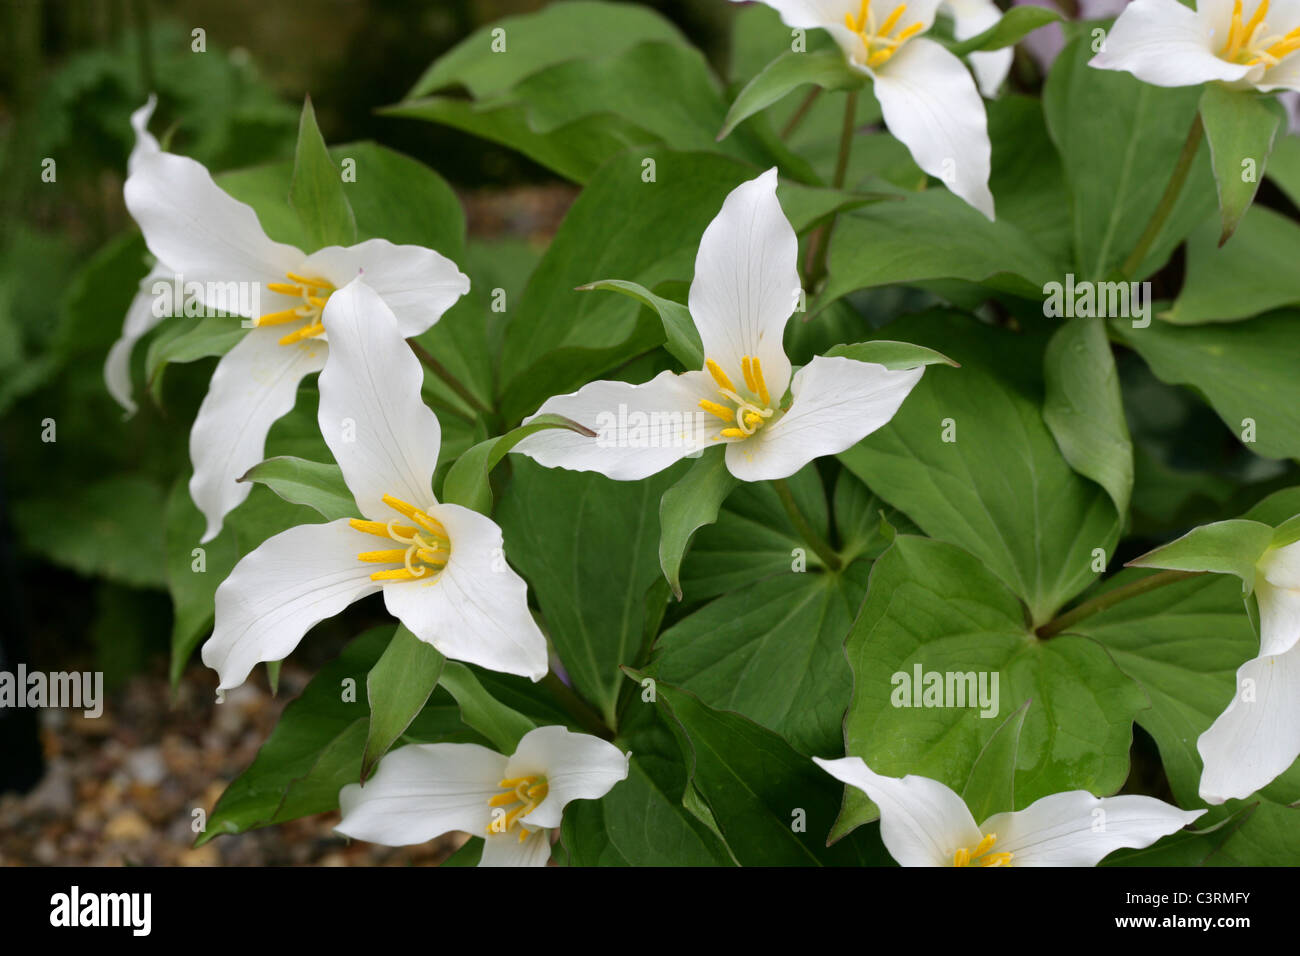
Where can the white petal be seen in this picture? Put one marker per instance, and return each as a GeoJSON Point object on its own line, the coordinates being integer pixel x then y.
{"type": "Point", "coordinates": [971, 18]}
{"type": "Point", "coordinates": [576, 766]}
{"type": "Point", "coordinates": [476, 610]}
{"type": "Point", "coordinates": [1284, 76]}
{"type": "Point", "coordinates": [640, 429]}
{"type": "Point", "coordinates": [837, 403]}
{"type": "Point", "coordinates": [382, 434]}
{"type": "Point", "coordinates": [1256, 738]}
{"type": "Point", "coordinates": [922, 822]}
{"type": "Point", "coordinates": [1077, 829]}
{"type": "Point", "coordinates": [1279, 617]}
{"type": "Point", "coordinates": [932, 107]}
{"type": "Point", "coordinates": [505, 849]}
{"type": "Point", "coordinates": [421, 791]}
{"type": "Point", "coordinates": [205, 235]}
{"type": "Point", "coordinates": [417, 284]}
{"type": "Point", "coordinates": [145, 144]}
{"type": "Point", "coordinates": [280, 590]}
{"type": "Point", "coordinates": [254, 384]}
{"type": "Point", "coordinates": [746, 282]}
{"type": "Point", "coordinates": [1282, 566]}
{"type": "Point", "coordinates": [1164, 43]}
{"type": "Point", "coordinates": [139, 321]}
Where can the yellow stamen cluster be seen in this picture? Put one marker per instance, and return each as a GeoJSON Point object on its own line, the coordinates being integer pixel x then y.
{"type": "Point", "coordinates": [748, 414]}
{"type": "Point", "coordinates": [522, 795]}
{"type": "Point", "coordinates": [425, 549]}
{"type": "Point", "coordinates": [980, 856]}
{"type": "Point", "coordinates": [1250, 43]}
{"type": "Point", "coordinates": [314, 293]}
{"type": "Point", "coordinates": [880, 45]}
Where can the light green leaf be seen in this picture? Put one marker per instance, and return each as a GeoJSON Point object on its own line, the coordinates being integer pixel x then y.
{"type": "Point", "coordinates": [828, 70]}
{"type": "Point", "coordinates": [398, 687]}
{"type": "Point", "coordinates": [689, 505]}
{"type": "Point", "coordinates": [991, 786]}
{"type": "Point", "coordinates": [312, 483]}
{"type": "Point", "coordinates": [683, 337]}
{"type": "Point", "coordinates": [1224, 547]}
{"type": "Point", "coordinates": [1240, 126]}
{"type": "Point", "coordinates": [497, 722]}
{"type": "Point", "coordinates": [892, 355]}
{"type": "Point", "coordinates": [1014, 26]}
{"type": "Point", "coordinates": [316, 192]}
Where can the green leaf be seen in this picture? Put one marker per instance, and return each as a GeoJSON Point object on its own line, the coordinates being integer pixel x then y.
{"type": "Point", "coordinates": [1240, 126]}
{"type": "Point", "coordinates": [689, 505]}
{"type": "Point", "coordinates": [1224, 547]}
{"type": "Point", "coordinates": [467, 482]}
{"type": "Point", "coordinates": [1284, 166]}
{"type": "Point", "coordinates": [588, 547]}
{"type": "Point", "coordinates": [1246, 371]}
{"type": "Point", "coordinates": [398, 687]}
{"type": "Point", "coordinates": [772, 651]}
{"type": "Point", "coordinates": [970, 460]}
{"type": "Point", "coordinates": [936, 609]}
{"type": "Point", "coordinates": [186, 340]}
{"type": "Point", "coordinates": [312, 483]}
{"type": "Point", "coordinates": [1119, 139]}
{"type": "Point", "coordinates": [1252, 274]}
{"type": "Point", "coordinates": [772, 805]}
{"type": "Point", "coordinates": [317, 193]}
{"type": "Point", "coordinates": [827, 69]}
{"type": "Point", "coordinates": [991, 786]}
{"type": "Point", "coordinates": [497, 722]}
{"type": "Point", "coordinates": [683, 337]}
{"type": "Point", "coordinates": [892, 355]}
{"type": "Point", "coordinates": [1084, 409]}
{"type": "Point", "coordinates": [1011, 28]}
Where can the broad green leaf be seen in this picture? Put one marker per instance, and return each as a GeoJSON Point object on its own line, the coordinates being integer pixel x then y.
{"type": "Point", "coordinates": [1084, 410]}
{"type": "Point", "coordinates": [1119, 139]}
{"type": "Point", "coordinates": [827, 69]}
{"type": "Point", "coordinates": [688, 506]}
{"type": "Point", "coordinates": [970, 460]}
{"type": "Point", "coordinates": [588, 547]}
{"type": "Point", "coordinates": [773, 806]}
{"type": "Point", "coordinates": [1246, 371]}
{"type": "Point", "coordinates": [934, 609]}
{"type": "Point", "coordinates": [1284, 166]}
{"type": "Point", "coordinates": [774, 652]}
{"type": "Point", "coordinates": [317, 192]}
{"type": "Point", "coordinates": [312, 483]}
{"type": "Point", "coordinates": [1253, 274]}
{"type": "Point", "coordinates": [188, 340]}
{"type": "Point", "coordinates": [683, 339]}
{"type": "Point", "coordinates": [467, 483]}
{"type": "Point", "coordinates": [496, 721]}
{"type": "Point", "coordinates": [892, 355]}
{"type": "Point", "coordinates": [991, 786]}
{"type": "Point", "coordinates": [1240, 126]}
{"type": "Point", "coordinates": [398, 687]}
{"type": "Point", "coordinates": [497, 56]}
{"type": "Point", "coordinates": [1011, 28]}
{"type": "Point", "coordinates": [1224, 547]}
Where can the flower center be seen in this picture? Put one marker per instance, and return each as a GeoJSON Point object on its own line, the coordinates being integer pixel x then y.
{"type": "Point", "coordinates": [425, 549]}
{"type": "Point", "coordinates": [522, 795]}
{"type": "Point", "coordinates": [744, 416]}
{"type": "Point", "coordinates": [1250, 43]}
{"type": "Point", "coordinates": [879, 42]}
{"type": "Point", "coordinates": [980, 856]}
{"type": "Point", "coordinates": [313, 292]}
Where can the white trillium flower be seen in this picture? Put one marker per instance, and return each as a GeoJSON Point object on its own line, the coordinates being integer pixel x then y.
{"type": "Point", "coordinates": [745, 288]}
{"type": "Point", "coordinates": [1164, 43]}
{"type": "Point", "coordinates": [928, 98]}
{"type": "Point", "coordinates": [1258, 736]}
{"type": "Point", "coordinates": [216, 244]}
{"type": "Point", "coordinates": [425, 790]}
{"type": "Point", "coordinates": [924, 823]}
{"type": "Point", "coordinates": [440, 566]}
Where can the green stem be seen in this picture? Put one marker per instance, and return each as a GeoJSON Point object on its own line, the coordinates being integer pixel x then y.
{"type": "Point", "coordinates": [1167, 201]}
{"type": "Point", "coordinates": [846, 139]}
{"type": "Point", "coordinates": [583, 715]}
{"type": "Point", "coordinates": [1111, 598]}
{"type": "Point", "coordinates": [793, 123]}
{"type": "Point", "coordinates": [441, 371]}
{"type": "Point", "coordinates": [806, 530]}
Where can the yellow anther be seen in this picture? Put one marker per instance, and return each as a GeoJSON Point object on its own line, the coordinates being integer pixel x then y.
{"type": "Point", "coordinates": [732, 433]}
{"type": "Point", "coordinates": [280, 318]}
{"type": "Point", "coordinates": [395, 556]}
{"type": "Point", "coordinates": [314, 283]}
{"type": "Point", "coordinates": [719, 375]}
{"type": "Point", "coordinates": [713, 408]}
{"type": "Point", "coordinates": [430, 556]}
{"type": "Point", "coordinates": [763, 395]}
{"type": "Point", "coordinates": [425, 521]}
{"type": "Point", "coordinates": [285, 288]}
{"type": "Point", "coordinates": [961, 857]}
{"type": "Point", "coordinates": [997, 859]}
{"type": "Point", "coordinates": [522, 795]}
{"type": "Point", "coordinates": [420, 559]}
{"type": "Point", "coordinates": [985, 844]}
{"type": "Point", "coordinates": [380, 528]}
{"type": "Point", "coordinates": [749, 375]}
{"type": "Point", "coordinates": [1235, 33]}
{"type": "Point", "coordinates": [891, 21]}
{"type": "Point", "coordinates": [306, 332]}
{"type": "Point", "coordinates": [398, 574]}
{"type": "Point", "coordinates": [981, 856]}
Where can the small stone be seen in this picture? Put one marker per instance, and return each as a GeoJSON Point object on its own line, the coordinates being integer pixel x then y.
{"type": "Point", "coordinates": [127, 825]}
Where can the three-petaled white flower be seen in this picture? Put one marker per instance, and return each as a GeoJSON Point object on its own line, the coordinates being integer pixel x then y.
{"type": "Point", "coordinates": [1258, 736]}
{"type": "Point", "coordinates": [924, 823]}
{"type": "Point", "coordinates": [198, 231]}
{"type": "Point", "coordinates": [424, 790]}
{"type": "Point", "coordinates": [926, 94]}
{"type": "Point", "coordinates": [441, 567]}
{"type": "Point", "coordinates": [1164, 43]}
{"type": "Point", "coordinates": [745, 289]}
